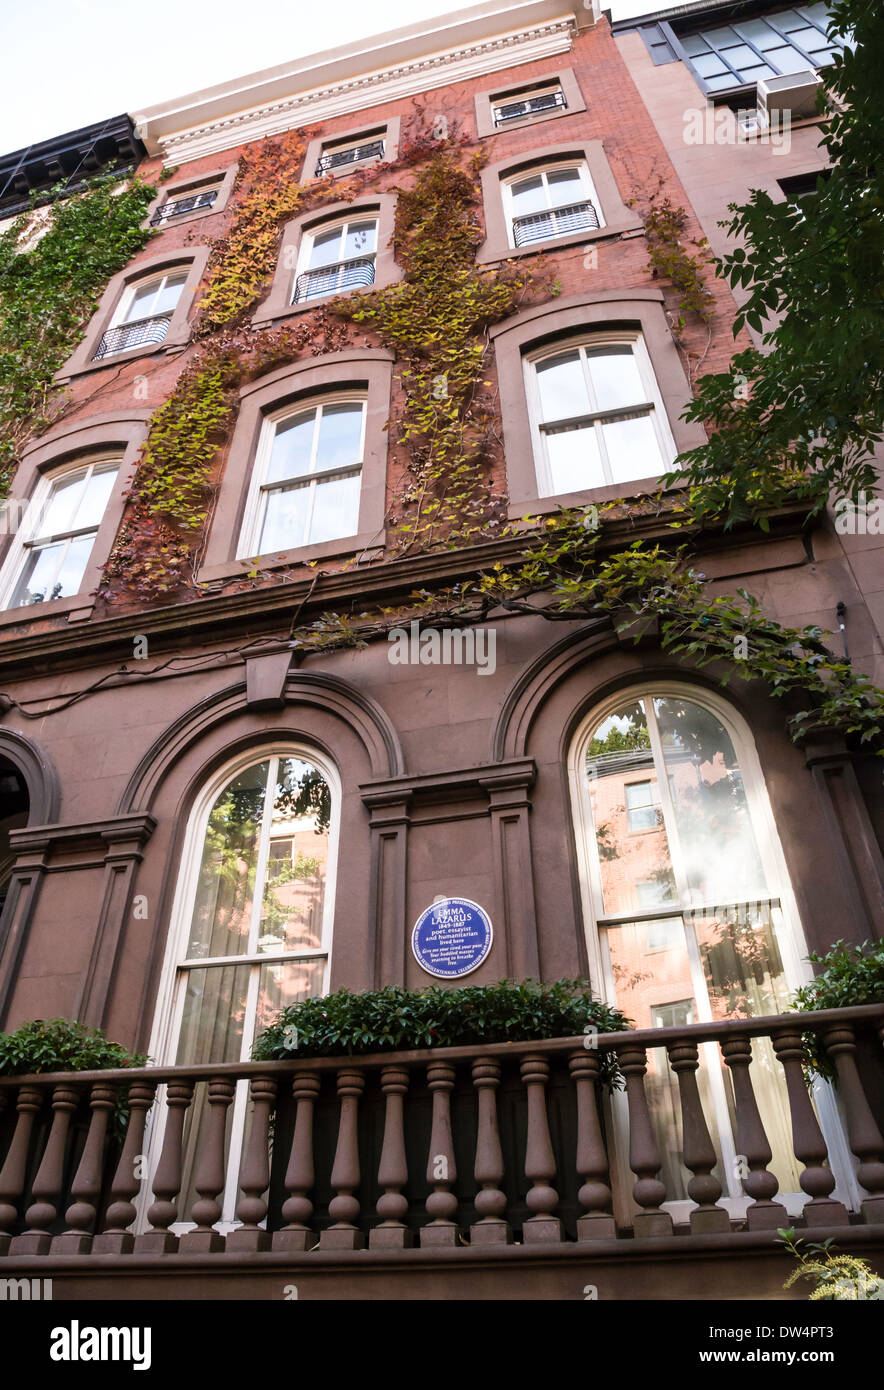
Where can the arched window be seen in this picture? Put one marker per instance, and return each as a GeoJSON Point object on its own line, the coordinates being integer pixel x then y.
{"type": "Point", "coordinates": [543, 204]}
{"type": "Point", "coordinates": [51, 551]}
{"type": "Point", "coordinates": [689, 912]}
{"type": "Point", "coordinates": [306, 481]}
{"type": "Point", "coordinates": [144, 312]}
{"type": "Point", "coordinates": [251, 928]}
{"type": "Point", "coordinates": [336, 256]}
{"type": "Point", "coordinates": [596, 413]}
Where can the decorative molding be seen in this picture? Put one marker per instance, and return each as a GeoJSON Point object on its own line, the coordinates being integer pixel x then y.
{"type": "Point", "coordinates": [441, 69]}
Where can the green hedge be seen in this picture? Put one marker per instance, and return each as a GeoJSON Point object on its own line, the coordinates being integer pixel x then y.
{"type": "Point", "coordinates": [397, 1019]}
{"type": "Point", "coordinates": [849, 975]}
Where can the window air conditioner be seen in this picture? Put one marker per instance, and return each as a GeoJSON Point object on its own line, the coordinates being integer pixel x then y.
{"type": "Point", "coordinates": [795, 92]}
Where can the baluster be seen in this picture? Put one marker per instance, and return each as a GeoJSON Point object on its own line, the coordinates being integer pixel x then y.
{"type": "Point", "coordinates": [763, 1213]}
{"type": "Point", "coordinates": [644, 1155]}
{"type": "Point", "coordinates": [540, 1164]}
{"type": "Point", "coordinates": [254, 1176]}
{"type": "Point", "coordinates": [210, 1171]}
{"type": "Point", "coordinates": [344, 1206]}
{"type": "Point", "coordinates": [492, 1227]}
{"type": "Point", "coordinates": [441, 1229]}
{"type": "Point", "coordinates": [297, 1207]}
{"type": "Point", "coordinates": [392, 1206]}
{"type": "Point", "coordinates": [698, 1151]}
{"type": "Point", "coordinates": [47, 1186]}
{"type": "Point", "coordinates": [12, 1178]}
{"type": "Point", "coordinates": [76, 1239]}
{"type": "Point", "coordinates": [596, 1221]}
{"type": "Point", "coordinates": [862, 1131]}
{"type": "Point", "coordinates": [159, 1240]}
{"type": "Point", "coordinates": [808, 1144]}
{"type": "Point", "coordinates": [115, 1239]}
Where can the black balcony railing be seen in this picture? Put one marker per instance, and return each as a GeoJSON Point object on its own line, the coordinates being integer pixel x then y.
{"type": "Point", "coordinates": [335, 159]}
{"type": "Point", "coordinates": [514, 110]}
{"type": "Point", "coordinates": [331, 279]}
{"type": "Point", "coordinates": [179, 206]}
{"type": "Point", "coordinates": [139, 333]}
{"type": "Point", "coordinates": [540, 226]}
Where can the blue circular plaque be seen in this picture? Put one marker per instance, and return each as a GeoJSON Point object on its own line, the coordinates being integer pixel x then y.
{"type": "Point", "coordinates": [452, 937]}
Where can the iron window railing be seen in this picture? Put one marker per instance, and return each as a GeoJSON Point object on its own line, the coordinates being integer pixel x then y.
{"type": "Point", "coordinates": [530, 106]}
{"type": "Point", "coordinates": [336, 158]}
{"type": "Point", "coordinates": [179, 206]}
{"type": "Point", "coordinates": [540, 226]}
{"type": "Point", "coordinates": [330, 279]}
{"type": "Point", "coordinates": [138, 333]}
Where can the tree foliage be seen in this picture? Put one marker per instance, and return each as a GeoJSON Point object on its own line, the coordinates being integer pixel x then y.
{"type": "Point", "coordinates": [802, 416]}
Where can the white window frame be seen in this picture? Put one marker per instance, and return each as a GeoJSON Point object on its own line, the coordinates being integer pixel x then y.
{"type": "Point", "coordinates": [120, 315]}
{"type": "Point", "coordinates": [172, 988]}
{"type": "Point", "coordinates": [544, 170]}
{"type": "Point", "coordinates": [183, 194]}
{"type": "Point", "coordinates": [525, 94]}
{"type": "Point", "coordinates": [786, 921]}
{"type": "Point", "coordinates": [28, 535]}
{"type": "Point", "coordinates": [652, 405]}
{"type": "Point", "coordinates": [340, 224]}
{"type": "Point", "coordinates": [259, 489]}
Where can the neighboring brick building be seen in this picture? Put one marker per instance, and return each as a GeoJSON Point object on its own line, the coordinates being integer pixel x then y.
{"type": "Point", "coordinates": [147, 888]}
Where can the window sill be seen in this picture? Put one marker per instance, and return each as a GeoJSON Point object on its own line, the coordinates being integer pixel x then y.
{"type": "Point", "coordinates": [167, 225]}
{"type": "Point", "coordinates": [115, 359]}
{"type": "Point", "coordinates": [611, 492]}
{"type": "Point", "coordinates": [268, 314]}
{"type": "Point", "coordinates": [80, 605]}
{"type": "Point", "coordinates": [537, 119]}
{"type": "Point", "coordinates": [492, 255]}
{"type": "Point", "coordinates": [346, 169]}
{"type": "Point", "coordinates": [283, 560]}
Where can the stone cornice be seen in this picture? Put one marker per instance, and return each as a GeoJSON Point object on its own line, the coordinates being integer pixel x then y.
{"type": "Point", "coordinates": [232, 617]}
{"type": "Point", "coordinates": [183, 134]}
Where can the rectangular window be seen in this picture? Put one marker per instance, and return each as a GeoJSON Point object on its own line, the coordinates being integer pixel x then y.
{"type": "Point", "coordinates": [193, 200]}
{"type": "Point", "coordinates": [532, 102]}
{"type": "Point", "coordinates": [598, 415]}
{"type": "Point", "coordinates": [335, 258]}
{"type": "Point", "coordinates": [777, 45]}
{"type": "Point", "coordinates": [307, 485]}
{"type": "Point", "coordinates": [335, 155]}
{"type": "Point", "coordinates": [550, 203]}
{"type": "Point", "coordinates": [642, 812]}
{"type": "Point", "coordinates": [58, 534]}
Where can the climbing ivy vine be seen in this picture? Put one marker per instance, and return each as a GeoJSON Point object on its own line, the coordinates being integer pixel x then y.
{"type": "Point", "coordinates": [54, 265]}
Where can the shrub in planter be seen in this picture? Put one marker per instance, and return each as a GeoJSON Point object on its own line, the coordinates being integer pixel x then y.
{"type": "Point", "coordinates": [397, 1019]}
{"type": "Point", "coordinates": [56, 1044]}
{"type": "Point", "coordinates": [849, 975]}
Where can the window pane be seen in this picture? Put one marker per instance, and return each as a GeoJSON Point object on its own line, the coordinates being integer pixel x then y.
{"type": "Point", "coordinates": [361, 239]}
{"type": "Point", "coordinates": [758, 33]}
{"type": "Point", "coordinates": [709, 65]}
{"type": "Point", "coordinates": [786, 60]}
{"type": "Point", "coordinates": [37, 583]}
{"type": "Point", "coordinates": [575, 463]}
{"type": "Point", "coordinates": [225, 891]}
{"type": "Point", "coordinates": [169, 295]}
{"type": "Point", "coordinates": [291, 917]}
{"type": "Point", "coordinates": [717, 841]}
{"type": "Point", "coordinates": [694, 44]}
{"type": "Point", "coordinates": [64, 499]}
{"type": "Point", "coordinates": [633, 449]}
{"type": "Point", "coordinates": [565, 186]}
{"type": "Point", "coordinates": [282, 983]}
{"type": "Point", "coordinates": [616, 378]}
{"type": "Point", "coordinates": [141, 305]}
{"type": "Point", "coordinates": [340, 435]}
{"type": "Point", "coordinates": [808, 39]}
{"type": "Point", "coordinates": [787, 20]}
{"type": "Point", "coordinates": [562, 387]}
{"type": "Point", "coordinates": [720, 37]}
{"type": "Point", "coordinates": [818, 13]}
{"type": "Point", "coordinates": [70, 575]}
{"type": "Point", "coordinates": [292, 443]}
{"type": "Point", "coordinates": [336, 509]}
{"type": "Point", "coordinates": [741, 57]}
{"type": "Point", "coordinates": [94, 499]}
{"type": "Point", "coordinates": [529, 195]}
{"type": "Point", "coordinates": [719, 84]}
{"type": "Point", "coordinates": [326, 248]}
{"type": "Point", "coordinates": [285, 518]}
{"type": "Point", "coordinates": [621, 747]}
{"type": "Point", "coordinates": [214, 1013]}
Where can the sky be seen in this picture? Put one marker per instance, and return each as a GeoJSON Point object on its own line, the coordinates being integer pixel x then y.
{"type": "Point", "coordinates": [69, 63]}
